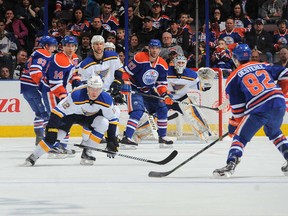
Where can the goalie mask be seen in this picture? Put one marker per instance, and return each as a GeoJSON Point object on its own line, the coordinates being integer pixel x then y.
{"type": "Point", "coordinates": [180, 63]}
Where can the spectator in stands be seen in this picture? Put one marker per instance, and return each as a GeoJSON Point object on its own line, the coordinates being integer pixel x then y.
{"type": "Point", "coordinates": [16, 27]}
{"type": "Point", "coordinates": [217, 22]}
{"type": "Point", "coordinates": [84, 48]}
{"type": "Point", "coordinates": [121, 54]}
{"type": "Point", "coordinates": [134, 46]}
{"type": "Point", "coordinates": [19, 64]}
{"type": "Point", "coordinates": [64, 5]}
{"type": "Point", "coordinates": [168, 47]}
{"type": "Point", "coordinates": [120, 37]}
{"type": "Point", "coordinates": [250, 8]}
{"type": "Point", "coordinates": [179, 36]}
{"type": "Point", "coordinates": [135, 23]}
{"type": "Point", "coordinates": [280, 36]}
{"type": "Point", "coordinates": [111, 37]}
{"type": "Point", "coordinates": [160, 21]}
{"type": "Point", "coordinates": [3, 8]}
{"type": "Point", "coordinates": [62, 32]}
{"type": "Point", "coordinates": [109, 22]}
{"type": "Point", "coordinates": [261, 40]}
{"type": "Point", "coordinates": [184, 23]}
{"type": "Point", "coordinates": [5, 73]}
{"type": "Point", "coordinates": [8, 47]}
{"type": "Point", "coordinates": [90, 9]}
{"type": "Point", "coordinates": [283, 57]}
{"type": "Point", "coordinates": [223, 5]}
{"type": "Point", "coordinates": [222, 57]}
{"type": "Point", "coordinates": [232, 35]}
{"type": "Point", "coordinates": [79, 23]}
{"type": "Point", "coordinates": [148, 32]}
{"type": "Point", "coordinates": [96, 28]}
{"type": "Point", "coordinates": [141, 9]}
{"type": "Point", "coordinates": [191, 60]}
{"type": "Point", "coordinates": [271, 10]}
{"type": "Point", "coordinates": [255, 55]}
{"type": "Point", "coordinates": [53, 30]}
{"type": "Point", "coordinates": [241, 20]}
{"type": "Point", "coordinates": [117, 8]}
{"type": "Point", "coordinates": [170, 9]}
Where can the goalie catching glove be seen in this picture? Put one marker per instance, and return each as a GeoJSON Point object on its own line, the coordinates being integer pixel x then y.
{"type": "Point", "coordinates": [206, 76]}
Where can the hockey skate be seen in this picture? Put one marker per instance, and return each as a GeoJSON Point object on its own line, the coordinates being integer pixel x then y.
{"type": "Point", "coordinates": [87, 157]}
{"type": "Point", "coordinates": [227, 171]}
{"type": "Point", "coordinates": [284, 168]}
{"type": "Point", "coordinates": [165, 143]}
{"type": "Point", "coordinates": [59, 151]}
{"type": "Point", "coordinates": [128, 144]}
{"type": "Point", "coordinates": [30, 161]}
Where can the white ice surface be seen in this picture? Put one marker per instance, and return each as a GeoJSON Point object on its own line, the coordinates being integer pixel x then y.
{"type": "Point", "coordinates": [121, 186]}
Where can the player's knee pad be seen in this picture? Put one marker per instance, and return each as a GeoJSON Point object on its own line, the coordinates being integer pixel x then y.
{"type": "Point", "coordinates": [51, 135]}
{"type": "Point", "coordinates": [100, 124]}
{"type": "Point", "coordinates": [137, 114]}
{"type": "Point", "coordinates": [162, 112]}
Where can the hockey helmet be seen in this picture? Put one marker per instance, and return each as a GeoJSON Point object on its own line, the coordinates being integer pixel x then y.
{"type": "Point", "coordinates": [95, 82]}
{"type": "Point", "coordinates": [109, 46]}
{"type": "Point", "coordinates": [242, 52]}
{"type": "Point", "coordinates": [180, 63]}
{"type": "Point", "coordinates": [155, 43]}
{"type": "Point", "coordinates": [50, 41]}
{"type": "Point", "coordinates": [69, 40]}
{"type": "Point", "coordinates": [97, 39]}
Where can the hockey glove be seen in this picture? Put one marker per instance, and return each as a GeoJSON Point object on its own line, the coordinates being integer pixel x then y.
{"type": "Point", "coordinates": [168, 99]}
{"type": "Point", "coordinates": [113, 146]}
{"type": "Point", "coordinates": [126, 88]}
{"type": "Point", "coordinates": [115, 92]}
{"type": "Point", "coordinates": [233, 124]}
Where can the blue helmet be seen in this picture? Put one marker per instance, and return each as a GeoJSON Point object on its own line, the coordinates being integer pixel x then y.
{"type": "Point", "coordinates": [48, 40]}
{"type": "Point", "coordinates": [69, 40]}
{"type": "Point", "coordinates": [242, 52]}
{"type": "Point", "coordinates": [155, 43]}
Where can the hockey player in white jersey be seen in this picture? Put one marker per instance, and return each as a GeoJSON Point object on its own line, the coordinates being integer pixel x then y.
{"type": "Point", "coordinates": [108, 66]}
{"type": "Point", "coordinates": [180, 81]}
{"type": "Point", "coordinates": [88, 106]}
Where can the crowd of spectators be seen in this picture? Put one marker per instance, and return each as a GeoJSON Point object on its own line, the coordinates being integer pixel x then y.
{"type": "Point", "coordinates": [261, 24]}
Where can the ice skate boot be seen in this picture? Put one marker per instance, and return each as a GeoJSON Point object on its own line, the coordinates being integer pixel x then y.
{"type": "Point", "coordinates": [227, 171]}
{"type": "Point", "coordinates": [30, 161]}
{"type": "Point", "coordinates": [164, 142]}
{"type": "Point", "coordinates": [284, 168]}
{"type": "Point", "coordinates": [128, 144]}
{"type": "Point", "coordinates": [87, 157]}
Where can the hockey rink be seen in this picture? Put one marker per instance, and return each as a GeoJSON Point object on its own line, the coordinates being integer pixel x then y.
{"type": "Point", "coordinates": [121, 186]}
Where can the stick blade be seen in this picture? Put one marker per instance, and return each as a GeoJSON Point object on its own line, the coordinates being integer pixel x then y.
{"type": "Point", "coordinates": [154, 174]}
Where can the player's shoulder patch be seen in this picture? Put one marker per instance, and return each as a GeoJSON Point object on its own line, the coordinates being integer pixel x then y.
{"type": "Point", "coordinates": [61, 60]}
{"type": "Point", "coordinates": [141, 57]}
{"type": "Point", "coordinates": [163, 63]}
{"type": "Point", "coordinates": [108, 55]}
{"type": "Point", "coordinates": [104, 99]}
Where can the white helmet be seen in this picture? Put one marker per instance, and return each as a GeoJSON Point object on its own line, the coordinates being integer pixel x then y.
{"type": "Point", "coordinates": [178, 66]}
{"type": "Point", "coordinates": [109, 45]}
{"type": "Point", "coordinates": [95, 82]}
{"type": "Point", "coordinates": [97, 38]}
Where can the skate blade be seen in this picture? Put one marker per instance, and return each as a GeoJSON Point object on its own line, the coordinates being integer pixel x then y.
{"type": "Point", "coordinates": [85, 162]}
{"type": "Point", "coordinates": [27, 164]}
{"type": "Point", "coordinates": [219, 176]}
{"type": "Point", "coordinates": [56, 156]}
{"type": "Point", "coordinates": [127, 147]}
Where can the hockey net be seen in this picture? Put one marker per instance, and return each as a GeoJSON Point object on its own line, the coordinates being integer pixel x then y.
{"type": "Point", "coordinates": [217, 120]}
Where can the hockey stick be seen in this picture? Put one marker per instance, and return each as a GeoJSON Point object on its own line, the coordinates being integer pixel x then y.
{"type": "Point", "coordinates": [173, 116]}
{"type": "Point", "coordinates": [162, 162]}
{"type": "Point", "coordinates": [163, 174]}
{"type": "Point", "coordinates": [222, 106]}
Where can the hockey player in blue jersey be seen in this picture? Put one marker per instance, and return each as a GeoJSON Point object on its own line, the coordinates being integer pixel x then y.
{"type": "Point", "coordinates": [34, 71]}
{"type": "Point", "coordinates": [88, 106]}
{"type": "Point", "coordinates": [255, 91]}
{"type": "Point", "coordinates": [147, 74]}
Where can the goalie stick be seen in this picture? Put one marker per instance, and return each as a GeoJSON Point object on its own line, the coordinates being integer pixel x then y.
{"type": "Point", "coordinates": [163, 174]}
{"type": "Point", "coordinates": [221, 107]}
{"type": "Point", "coordinates": [162, 162]}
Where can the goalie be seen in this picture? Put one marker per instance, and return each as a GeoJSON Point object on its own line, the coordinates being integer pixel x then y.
{"type": "Point", "coordinates": [180, 81]}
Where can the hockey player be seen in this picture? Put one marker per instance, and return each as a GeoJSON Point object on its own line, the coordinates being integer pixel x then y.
{"type": "Point", "coordinates": [108, 66]}
{"type": "Point", "coordinates": [180, 81]}
{"type": "Point", "coordinates": [256, 100]}
{"type": "Point", "coordinates": [147, 75]}
{"type": "Point", "coordinates": [58, 75]}
{"type": "Point", "coordinates": [86, 105]}
{"type": "Point", "coordinates": [30, 79]}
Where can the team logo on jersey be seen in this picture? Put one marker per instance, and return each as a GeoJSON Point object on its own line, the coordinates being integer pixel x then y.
{"type": "Point", "coordinates": [229, 39]}
{"type": "Point", "coordinates": [86, 113]}
{"type": "Point", "coordinates": [150, 77]}
{"type": "Point", "coordinates": [177, 87]}
{"type": "Point", "coordinates": [103, 73]}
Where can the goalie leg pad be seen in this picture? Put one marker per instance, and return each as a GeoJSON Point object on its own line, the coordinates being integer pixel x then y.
{"type": "Point", "coordinates": [143, 130]}
{"type": "Point", "coordinates": [196, 118]}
